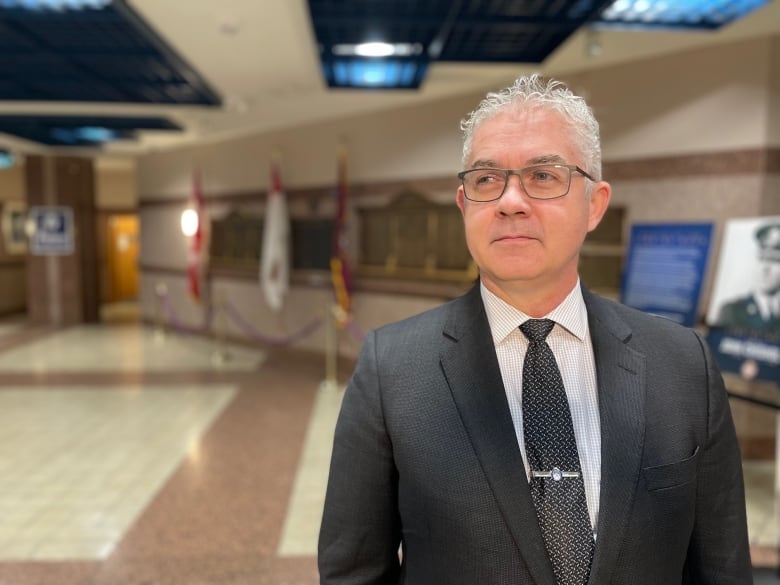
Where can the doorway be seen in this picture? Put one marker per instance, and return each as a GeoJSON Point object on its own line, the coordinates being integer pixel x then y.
{"type": "Point", "coordinates": [122, 257]}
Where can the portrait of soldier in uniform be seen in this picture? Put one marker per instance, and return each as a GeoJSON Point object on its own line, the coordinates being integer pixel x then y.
{"type": "Point", "coordinates": [759, 310]}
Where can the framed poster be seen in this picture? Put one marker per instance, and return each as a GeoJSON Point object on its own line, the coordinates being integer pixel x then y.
{"type": "Point", "coordinates": [744, 312]}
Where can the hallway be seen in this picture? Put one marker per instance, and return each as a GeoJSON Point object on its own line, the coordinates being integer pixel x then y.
{"type": "Point", "coordinates": [136, 456]}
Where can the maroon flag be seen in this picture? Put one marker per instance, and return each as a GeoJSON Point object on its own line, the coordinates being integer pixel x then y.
{"type": "Point", "coordinates": [339, 260]}
{"type": "Point", "coordinates": [194, 260]}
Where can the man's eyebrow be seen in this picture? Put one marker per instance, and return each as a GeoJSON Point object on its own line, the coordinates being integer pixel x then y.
{"type": "Point", "coordinates": [484, 163]}
{"type": "Point", "coordinates": [547, 159]}
{"type": "Point", "coordinates": [544, 159]}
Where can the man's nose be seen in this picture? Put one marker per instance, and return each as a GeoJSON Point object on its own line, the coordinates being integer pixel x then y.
{"type": "Point", "coordinates": [515, 199]}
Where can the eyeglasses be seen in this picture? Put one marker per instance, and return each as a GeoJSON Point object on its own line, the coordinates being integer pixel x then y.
{"type": "Point", "coordinates": [538, 181]}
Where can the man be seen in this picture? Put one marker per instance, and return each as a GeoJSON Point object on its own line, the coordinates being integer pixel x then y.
{"type": "Point", "coordinates": [436, 448]}
{"type": "Point", "coordinates": [759, 311]}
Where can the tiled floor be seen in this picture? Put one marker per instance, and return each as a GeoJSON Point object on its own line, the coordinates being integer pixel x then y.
{"type": "Point", "coordinates": [134, 458]}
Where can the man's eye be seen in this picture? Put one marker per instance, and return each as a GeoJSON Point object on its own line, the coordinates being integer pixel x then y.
{"type": "Point", "coordinates": [487, 178]}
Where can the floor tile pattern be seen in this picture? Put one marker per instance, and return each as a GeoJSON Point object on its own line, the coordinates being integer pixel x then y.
{"type": "Point", "coordinates": [301, 527]}
{"type": "Point", "coordinates": [129, 457]}
{"type": "Point", "coordinates": [91, 461]}
{"type": "Point", "coordinates": [129, 348]}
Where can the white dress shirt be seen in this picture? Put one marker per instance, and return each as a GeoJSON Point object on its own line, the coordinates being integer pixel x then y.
{"type": "Point", "coordinates": [570, 342]}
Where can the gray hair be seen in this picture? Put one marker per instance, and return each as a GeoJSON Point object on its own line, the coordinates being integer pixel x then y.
{"type": "Point", "coordinates": [535, 92]}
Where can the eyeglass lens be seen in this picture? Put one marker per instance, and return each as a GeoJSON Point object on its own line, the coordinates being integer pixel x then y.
{"type": "Point", "coordinates": [539, 182]}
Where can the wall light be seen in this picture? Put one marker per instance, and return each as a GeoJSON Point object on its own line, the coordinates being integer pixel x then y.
{"type": "Point", "coordinates": [189, 222]}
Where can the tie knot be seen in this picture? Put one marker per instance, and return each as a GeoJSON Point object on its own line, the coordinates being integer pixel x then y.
{"type": "Point", "coordinates": [537, 329]}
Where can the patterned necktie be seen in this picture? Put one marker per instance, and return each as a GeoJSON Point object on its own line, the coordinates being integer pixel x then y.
{"type": "Point", "coordinates": [556, 479]}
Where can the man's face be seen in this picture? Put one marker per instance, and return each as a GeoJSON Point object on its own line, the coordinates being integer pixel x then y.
{"type": "Point", "coordinates": [519, 243]}
{"type": "Point", "coordinates": [768, 275]}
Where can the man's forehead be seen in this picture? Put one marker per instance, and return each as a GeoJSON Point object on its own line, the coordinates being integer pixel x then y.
{"type": "Point", "coordinates": [768, 239]}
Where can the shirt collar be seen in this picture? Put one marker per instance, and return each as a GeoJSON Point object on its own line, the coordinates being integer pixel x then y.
{"type": "Point", "coordinates": [504, 319]}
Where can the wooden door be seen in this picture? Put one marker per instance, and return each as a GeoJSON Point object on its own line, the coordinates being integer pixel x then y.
{"type": "Point", "coordinates": [122, 257]}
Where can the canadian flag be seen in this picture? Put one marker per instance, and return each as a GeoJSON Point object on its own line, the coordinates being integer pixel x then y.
{"type": "Point", "coordinates": [275, 254]}
{"type": "Point", "coordinates": [194, 260]}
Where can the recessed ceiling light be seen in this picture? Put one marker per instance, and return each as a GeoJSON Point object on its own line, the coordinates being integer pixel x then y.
{"type": "Point", "coordinates": [377, 49]}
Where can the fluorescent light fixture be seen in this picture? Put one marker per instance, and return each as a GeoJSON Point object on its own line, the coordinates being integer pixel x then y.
{"type": "Point", "coordinates": [676, 14]}
{"type": "Point", "coordinates": [375, 73]}
{"type": "Point", "coordinates": [93, 134]}
{"type": "Point", "coordinates": [377, 49]}
{"type": "Point", "coordinates": [58, 5]}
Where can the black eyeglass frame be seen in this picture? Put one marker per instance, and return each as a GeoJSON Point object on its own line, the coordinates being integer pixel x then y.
{"type": "Point", "coordinates": [509, 172]}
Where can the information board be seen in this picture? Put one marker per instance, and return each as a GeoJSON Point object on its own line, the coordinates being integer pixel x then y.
{"type": "Point", "coordinates": [665, 269]}
{"type": "Point", "coordinates": [52, 233]}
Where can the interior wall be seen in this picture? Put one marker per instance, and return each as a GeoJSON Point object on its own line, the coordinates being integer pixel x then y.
{"type": "Point", "coordinates": [12, 183]}
{"type": "Point", "coordinates": [116, 184]}
{"type": "Point", "coordinates": [773, 127]}
{"type": "Point", "coordinates": [699, 102]}
{"type": "Point", "coordinates": [13, 267]}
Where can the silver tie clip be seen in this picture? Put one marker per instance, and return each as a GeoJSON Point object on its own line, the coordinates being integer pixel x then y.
{"type": "Point", "coordinates": [555, 473]}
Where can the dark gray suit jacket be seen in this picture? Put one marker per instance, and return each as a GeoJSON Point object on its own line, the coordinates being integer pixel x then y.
{"type": "Point", "coordinates": [425, 454]}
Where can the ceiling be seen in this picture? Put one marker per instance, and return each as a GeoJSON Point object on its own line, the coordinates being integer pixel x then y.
{"type": "Point", "coordinates": [247, 66]}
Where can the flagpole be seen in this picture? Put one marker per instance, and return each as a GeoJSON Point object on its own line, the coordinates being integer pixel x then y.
{"type": "Point", "coordinates": [330, 383]}
{"type": "Point", "coordinates": [339, 312]}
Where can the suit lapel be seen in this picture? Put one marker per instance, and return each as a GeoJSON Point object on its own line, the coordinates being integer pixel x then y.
{"type": "Point", "coordinates": [471, 368]}
{"type": "Point", "coordinates": [620, 373]}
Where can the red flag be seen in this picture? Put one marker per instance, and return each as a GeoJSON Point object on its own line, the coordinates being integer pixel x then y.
{"type": "Point", "coordinates": [274, 257]}
{"type": "Point", "coordinates": [339, 260]}
{"type": "Point", "coordinates": [196, 241]}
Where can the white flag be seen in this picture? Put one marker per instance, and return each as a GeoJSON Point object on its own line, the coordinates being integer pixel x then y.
{"type": "Point", "coordinates": [274, 257]}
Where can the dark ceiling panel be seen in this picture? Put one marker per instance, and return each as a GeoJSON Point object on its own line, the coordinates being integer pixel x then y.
{"type": "Point", "coordinates": [79, 130]}
{"type": "Point", "coordinates": [95, 55]}
{"type": "Point", "coordinates": [486, 31]}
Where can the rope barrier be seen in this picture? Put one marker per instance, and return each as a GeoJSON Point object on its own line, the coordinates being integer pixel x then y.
{"type": "Point", "coordinates": [162, 297]}
{"type": "Point", "coordinates": [250, 331]}
{"type": "Point", "coordinates": [170, 318]}
{"type": "Point", "coordinates": [354, 330]}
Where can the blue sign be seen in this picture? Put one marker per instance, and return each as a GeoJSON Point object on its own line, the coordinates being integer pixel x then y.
{"type": "Point", "coordinates": [750, 357]}
{"type": "Point", "coordinates": [665, 269]}
{"type": "Point", "coordinates": [53, 231]}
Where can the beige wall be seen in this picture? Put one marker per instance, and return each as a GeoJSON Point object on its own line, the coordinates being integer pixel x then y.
{"type": "Point", "coordinates": [116, 184]}
{"type": "Point", "coordinates": [12, 183]}
{"type": "Point", "coordinates": [774, 93]}
{"type": "Point", "coordinates": [13, 274]}
{"type": "Point", "coordinates": [718, 100]}
{"type": "Point", "coordinates": [697, 102]}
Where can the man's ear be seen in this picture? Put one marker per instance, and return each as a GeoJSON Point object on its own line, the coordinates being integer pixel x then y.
{"type": "Point", "coordinates": [460, 200]}
{"type": "Point", "coordinates": [599, 201]}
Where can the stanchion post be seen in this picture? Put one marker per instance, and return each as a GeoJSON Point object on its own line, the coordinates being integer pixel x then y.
{"type": "Point", "coordinates": [331, 350]}
{"type": "Point", "coordinates": [221, 353]}
{"type": "Point", "coordinates": [160, 292]}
